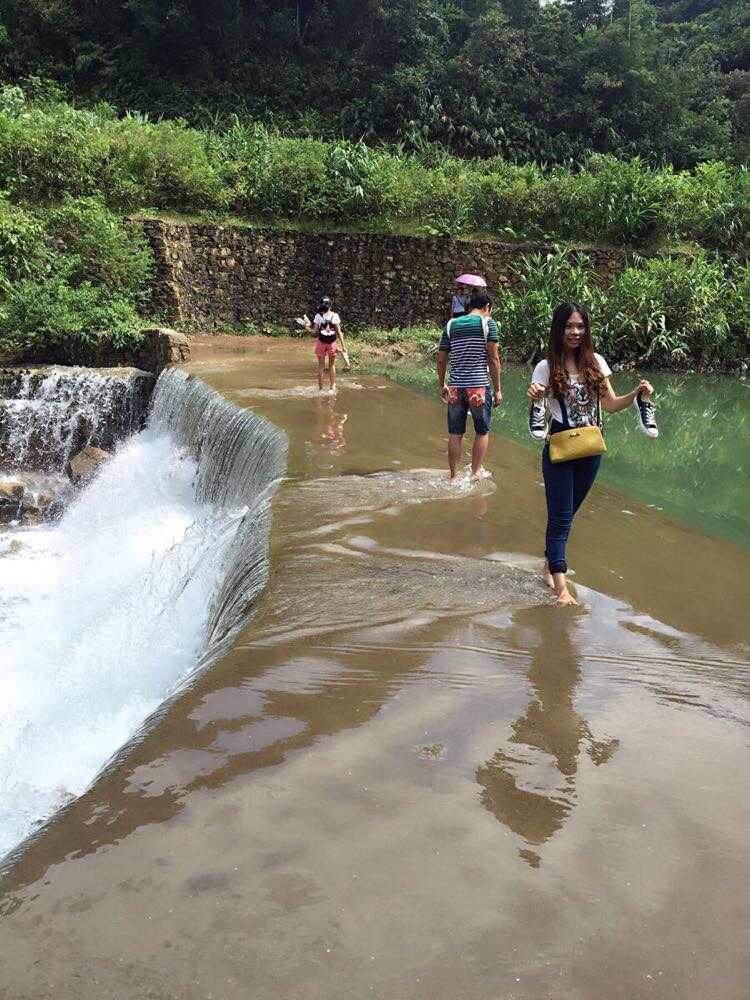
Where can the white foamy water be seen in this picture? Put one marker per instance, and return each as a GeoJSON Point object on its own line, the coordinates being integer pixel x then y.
{"type": "Point", "coordinates": [47, 414]}
{"type": "Point", "coordinates": [102, 617]}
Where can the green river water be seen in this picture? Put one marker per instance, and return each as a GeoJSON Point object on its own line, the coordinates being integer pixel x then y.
{"type": "Point", "coordinates": [698, 468]}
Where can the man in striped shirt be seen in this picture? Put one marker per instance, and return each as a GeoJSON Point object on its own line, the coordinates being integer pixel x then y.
{"type": "Point", "coordinates": [471, 343]}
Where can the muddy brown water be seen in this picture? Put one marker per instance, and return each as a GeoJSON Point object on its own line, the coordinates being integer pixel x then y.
{"type": "Point", "coordinates": [412, 777]}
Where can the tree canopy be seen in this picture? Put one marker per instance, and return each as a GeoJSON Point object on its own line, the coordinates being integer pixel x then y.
{"type": "Point", "coordinates": [551, 81]}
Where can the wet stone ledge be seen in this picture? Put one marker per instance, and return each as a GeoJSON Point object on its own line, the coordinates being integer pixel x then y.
{"type": "Point", "coordinates": [31, 497]}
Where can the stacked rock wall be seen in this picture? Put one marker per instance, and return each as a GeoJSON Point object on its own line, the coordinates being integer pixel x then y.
{"type": "Point", "coordinates": [227, 276]}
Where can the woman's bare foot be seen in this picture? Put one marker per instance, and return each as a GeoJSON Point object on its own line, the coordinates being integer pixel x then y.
{"type": "Point", "coordinates": [564, 596]}
{"type": "Point", "coordinates": [548, 576]}
{"type": "Point", "coordinates": [566, 599]}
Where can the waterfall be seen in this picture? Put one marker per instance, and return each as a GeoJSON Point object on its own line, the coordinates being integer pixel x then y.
{"type": "Point", "coordinates": [109, 613]}
{"type": "Point", "coordinates": [48, 414]}
{"type": "Point", "coordinates": [240, 458]}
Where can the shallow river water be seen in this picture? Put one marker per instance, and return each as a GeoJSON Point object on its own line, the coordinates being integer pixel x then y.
{"type": "Point", "coordinates": [413, 778]}
{"type": "Point", "coordinates": [701, 467]}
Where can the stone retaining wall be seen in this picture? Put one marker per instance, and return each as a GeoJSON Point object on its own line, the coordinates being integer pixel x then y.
{"type": "Point", "coordinates": [227, 276]}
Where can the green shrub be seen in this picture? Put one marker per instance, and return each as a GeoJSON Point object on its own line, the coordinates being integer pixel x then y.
{"type": "Point", "coordinates": [737, 299]}
{"type": "Point", "coordinates": [547, 280]}
{"type": "Point", "coordinates": [512, 201]}
{"type": "Point", "coordinates": [47, 153]}
{"type": "Point", "coordinates": [49, 150]}
{"type": "Point", "coordinates": [713, 207]}
{"type": "Point", "coordinates": [164, 164]}
{"type": "Point", "coordinates": [65, 257]}
{"type": "Point", "coordinates": [667, 310]}
{"type": "Point", "coordinates": [97, 246]}
{"type": "Point", "coordinates": [38, 316]}
{"type": "Point", "coordinates": [621, 201]}
{"type": "Point", "coordinates": [69, 275]}
{"type": "Point", "coordinates": [23, 250]}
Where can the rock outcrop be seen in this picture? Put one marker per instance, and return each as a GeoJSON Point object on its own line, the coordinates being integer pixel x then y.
{"type": "Point", "coordinates": [11, 498]}
{"type": "Point", "coordinates": [84, 466]}
{"type": "Point", "coordinates": [162, 347]}
{"type": "Point", "coordinates": [32, 497]}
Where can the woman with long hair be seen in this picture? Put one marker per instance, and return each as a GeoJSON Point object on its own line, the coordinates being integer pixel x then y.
{"type": "Point", "coordinates": [575, 382]}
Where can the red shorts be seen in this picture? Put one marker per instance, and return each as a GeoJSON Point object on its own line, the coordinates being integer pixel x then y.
{"type": "Point", "coordinates": [322, 350]}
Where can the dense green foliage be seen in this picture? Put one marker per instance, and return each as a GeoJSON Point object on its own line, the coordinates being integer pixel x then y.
{"type": "Point", "coordinates": [668, 79]}
{"type": "Point", "coordinates": [664, 311]}
{"type": "Point", "coordinates": [70, 268]}
{"type": "Point", "coordinates": [68, 276]}
{"type": "Point", "coordinates": [48, 150]}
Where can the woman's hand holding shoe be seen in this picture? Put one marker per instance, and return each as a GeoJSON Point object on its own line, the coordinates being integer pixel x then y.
{"type": "Point", "coordinates": [537, 392]}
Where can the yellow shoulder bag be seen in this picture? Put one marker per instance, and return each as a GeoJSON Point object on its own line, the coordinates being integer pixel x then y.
{"type": "Point", "coordinates": [577, 442]}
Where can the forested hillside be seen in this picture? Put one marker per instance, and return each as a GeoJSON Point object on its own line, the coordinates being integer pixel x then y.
{"type": "Point", "coordinates": [666, 79]}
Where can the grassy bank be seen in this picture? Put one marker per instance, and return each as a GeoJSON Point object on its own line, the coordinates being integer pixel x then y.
{"type": "Point", "coordinates": [49, 149]}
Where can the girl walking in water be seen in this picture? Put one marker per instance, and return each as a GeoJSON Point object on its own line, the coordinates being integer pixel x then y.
{"type": "Point", "coordinates": [575, 381]}
{"type": "Point", "coordinates": [327, 326]}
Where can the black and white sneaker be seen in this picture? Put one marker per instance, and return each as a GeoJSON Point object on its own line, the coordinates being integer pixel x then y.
{"type": "Point", "coordinates": [646, 416]}
{"type": "Point", "coordinates": [538, 421]}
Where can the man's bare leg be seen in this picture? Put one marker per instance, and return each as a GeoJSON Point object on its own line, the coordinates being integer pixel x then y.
{"type": "Point", "coordinates": [455, 442]}
{"type": "Point", "coordinates": [321, 372]}
{"type": "Point", "coordinates": [481, 441]}
{"type": "Point", "coordinates": [548, 579]}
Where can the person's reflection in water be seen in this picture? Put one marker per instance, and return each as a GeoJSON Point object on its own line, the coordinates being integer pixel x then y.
{"type": "Point", "coordinates": [329, 430]}
{"type": "Point", "coordinates": [530, 786]}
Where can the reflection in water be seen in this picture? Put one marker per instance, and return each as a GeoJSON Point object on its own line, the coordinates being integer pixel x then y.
{"type": "Point", "coordinates": [530, 785]}
{"type": "Point", "coordinates": [329, 425]}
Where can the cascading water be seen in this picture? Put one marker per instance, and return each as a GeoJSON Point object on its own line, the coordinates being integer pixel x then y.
{"type": "Point", "coordinates": [48, 414]}
{"type": "Point", "coordinates": [147, 577]}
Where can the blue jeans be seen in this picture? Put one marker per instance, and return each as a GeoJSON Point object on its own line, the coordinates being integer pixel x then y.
{"type": "Point", "coordinates": [565, 485]}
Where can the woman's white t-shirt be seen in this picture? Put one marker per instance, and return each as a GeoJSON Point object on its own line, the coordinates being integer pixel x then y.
{"type": "Point", "coordinates": [326, 325]}
{"type": "Point", "coordinates": [581, 411]}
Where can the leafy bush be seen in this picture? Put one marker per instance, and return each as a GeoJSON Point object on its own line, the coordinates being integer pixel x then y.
{"type": "Point", "coordinates": [47, 153]}
{"type": "Point", "coordinates": [51, 314]}
{"type": "Point", "coordinates": [69, 275]}
{"type": "Point", "coordinates": [49, 150]}
{"type": "Point", "coordinates": [622, 201]}
{"type": "Point", "coordinates": [164, 164]}
{"type": "Point", "coordinates": [99, 247]}
{"type": "Point", "coordinates": [23, 252]}
{"type": "Point", "coordinates": [66, 258]}
{"type": "Point", "coordinates": [713, 207]}
{"type": "Point", "coordinates": [668, 310]}
{"type": "Point", "coordinates": [547, 280]}
{"type": "Point", "coordinates": [737, 298]}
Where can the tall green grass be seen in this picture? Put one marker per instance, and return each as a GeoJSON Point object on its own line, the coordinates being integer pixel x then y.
{"type": "Point", "coordinates": [52, 149]}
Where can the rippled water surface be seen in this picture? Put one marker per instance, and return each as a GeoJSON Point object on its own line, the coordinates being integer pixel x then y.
{"type": "Point", "coordinates": [412, 777]}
